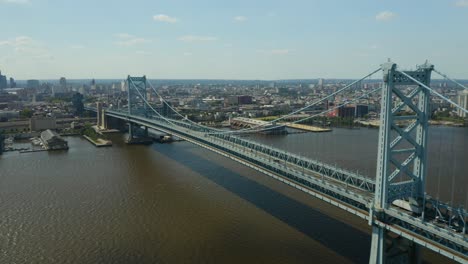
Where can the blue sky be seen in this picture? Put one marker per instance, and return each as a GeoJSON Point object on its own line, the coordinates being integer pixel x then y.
{"type": "Point", "coordinates": [229, 39]}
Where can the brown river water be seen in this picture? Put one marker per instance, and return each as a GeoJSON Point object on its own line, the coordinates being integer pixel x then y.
{"type": "Point", "coordinates": [178, 203]}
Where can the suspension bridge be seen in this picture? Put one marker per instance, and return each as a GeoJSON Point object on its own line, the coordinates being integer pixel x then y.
{"type": "Point", "coordinates": [403, 217]}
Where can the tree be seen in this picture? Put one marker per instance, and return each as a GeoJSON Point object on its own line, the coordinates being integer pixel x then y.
{"type": "Point", "coordinates": [26, 113]}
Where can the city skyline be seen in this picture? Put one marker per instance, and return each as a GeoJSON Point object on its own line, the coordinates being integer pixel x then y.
{"type": "Point", "coordinates": [268, 40]}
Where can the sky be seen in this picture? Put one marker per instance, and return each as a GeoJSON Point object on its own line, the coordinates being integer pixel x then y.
{"type": "Point", "coordinates": [241, 39]}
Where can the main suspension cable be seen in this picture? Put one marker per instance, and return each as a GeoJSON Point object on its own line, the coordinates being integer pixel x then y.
{"type": "Point", "coordinates": [300, 120]}
{"type": "Point", "coordinates": [433, 91]}
{"type": "Point", "coordinates": [448, 78]}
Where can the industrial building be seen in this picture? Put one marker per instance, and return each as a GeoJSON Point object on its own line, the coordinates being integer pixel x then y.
{"type": "Point", "coordinates": [52, 141]}
{"type": "Point", "coordinates": [40, 123]}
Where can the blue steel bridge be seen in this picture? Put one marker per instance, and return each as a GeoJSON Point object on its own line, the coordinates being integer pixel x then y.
{"type": "Point", "coordinates": [394, 203]}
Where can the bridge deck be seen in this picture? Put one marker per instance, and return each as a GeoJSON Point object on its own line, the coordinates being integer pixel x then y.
{"type": "Point", "coordinates": [347, 191]}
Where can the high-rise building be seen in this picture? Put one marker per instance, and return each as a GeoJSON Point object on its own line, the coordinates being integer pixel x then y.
{"type": "Point", "coordinates": [244, 99]}
{"type": "Point", "coordinates": [123, 86]}
{"type": "Point", "coordinates": [3, 81]}
{"type": "Point", "coordinates": [346, 111]}
{"type": "Point", "coordinates": [361, 110]}
{"type": "Point", "coordinates": [320, 83]}
{"type": "Point", "coordinates": [463, 102]}
{"type": "Point", "coordinates": [63, 84]}
{"type": "Point", "coordinates": [12, 83]}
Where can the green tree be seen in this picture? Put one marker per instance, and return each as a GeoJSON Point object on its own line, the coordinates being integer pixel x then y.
{"type": "Point", "coordinates": [26, 113]}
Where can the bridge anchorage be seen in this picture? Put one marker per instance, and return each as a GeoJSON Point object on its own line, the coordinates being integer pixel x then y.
{"type": "Point", "coordinates": [403, 217]}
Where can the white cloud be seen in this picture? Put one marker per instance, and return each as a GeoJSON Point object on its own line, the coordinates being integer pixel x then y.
{"type": "Point", "coordinates": [187, 53]}
{"type": "Point", "coordinates": [165, 18]}
{"type": "Point", "coordinates": [77, 47]}
{"type": "Point", "coordinates": [20, 2]}
{"type": "Point", "coordinates": [193, 38]}
{"type": "Point", "coordinates": [276, 51]}
{"type": "Point", "coordinates": [126, 39]}
{"type": "Point", "coordinates": [17, 42]}
{"type": "Point", "coordinates": [385, 16]}
{"type": "Point", "coordinates": [240, 19]}
{"type": "Point", "coordinates": [26, 46]}
{"type": "Point", "coordinates": [462, 3]}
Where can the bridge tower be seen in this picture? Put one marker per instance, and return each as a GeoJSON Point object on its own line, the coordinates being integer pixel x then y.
{"type": "Point", "coordinates": [101, 117]}
{"type": "Point", "coordinates": [401, 160]}
{"type": "Point", "coordinates": [137, 95]}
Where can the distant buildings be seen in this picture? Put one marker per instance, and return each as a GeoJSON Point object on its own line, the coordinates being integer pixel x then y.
{"type": "Point", "coordinates": [239, 100]}
{"type": "Point", "coordinates": [3, 81]}
{"type": "Point", "coordinates": [40, 123]}
{"type": "Point", "coordinates": [52, 141]}
{"type": "Point", "coordinates": [31, 84]}
{"type": "Point", "coordinates": [463, 102]}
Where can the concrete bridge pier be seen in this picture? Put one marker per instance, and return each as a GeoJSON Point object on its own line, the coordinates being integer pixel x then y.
{"type": "Point", "coordinates": [101, 117]}
{"type": "Point", "coordinates": [394, 249]}
{"type": "Point", "coordinates": [137, 135]}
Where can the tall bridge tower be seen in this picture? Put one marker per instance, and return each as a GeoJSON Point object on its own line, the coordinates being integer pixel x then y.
{"type": "Point", "coordinates": [402, 152]}
{"type": "Point", "coordinates": [137, 98]}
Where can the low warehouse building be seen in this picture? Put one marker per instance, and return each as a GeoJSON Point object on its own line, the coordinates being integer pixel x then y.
{"type": "Point", "coordinates": [52, 141]}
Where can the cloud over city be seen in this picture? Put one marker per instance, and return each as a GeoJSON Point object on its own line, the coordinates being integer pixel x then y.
{"type": "Point", "coordinates": [240, 18]}
{"type": "Point", "coordinates": [385, 16]}
{"type": "Point", "coordinates": [165, 18]}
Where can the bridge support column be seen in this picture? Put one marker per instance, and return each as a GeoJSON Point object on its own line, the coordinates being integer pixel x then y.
{"type": "Point", "coordinates": [101, 122]}
{"type": "Point", "coordinates": [389, 249]}
{"type": "Point", "coordinates": [130, 132]}
{"type": "Point", "coordinates": [378, 245]}
{"type": "Point", "coordinates": [137, 135]}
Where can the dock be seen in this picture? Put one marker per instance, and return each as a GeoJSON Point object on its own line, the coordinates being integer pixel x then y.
{"type": "Point", "coordinates": [307, 127]}
{"type": "Point", "coordinates": [99, 142]}
{"type": "Point", "coordinates": [32, 150]}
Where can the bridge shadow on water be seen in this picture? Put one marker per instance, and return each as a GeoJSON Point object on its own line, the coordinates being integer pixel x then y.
{"type": "Point", "coordinates": [337, 236]}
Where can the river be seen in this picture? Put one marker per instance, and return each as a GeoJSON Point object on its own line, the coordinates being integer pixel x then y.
{"type": "Point", "coordinates": [178, 203]}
